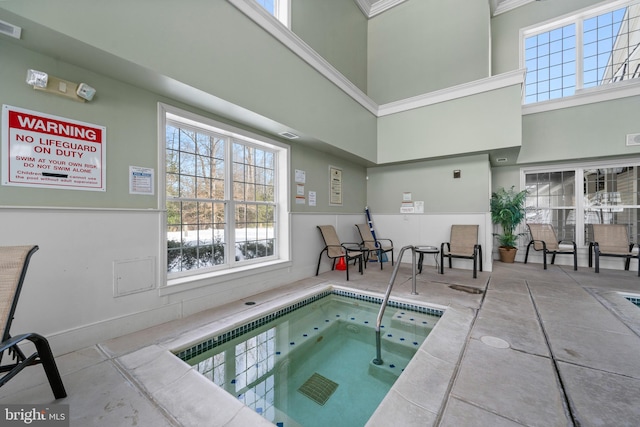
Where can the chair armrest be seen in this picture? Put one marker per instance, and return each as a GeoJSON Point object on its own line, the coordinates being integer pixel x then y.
{"type": "Point", "coordinates": [13, 341]}
{"type": "Point", "coordinates": [388, 240]}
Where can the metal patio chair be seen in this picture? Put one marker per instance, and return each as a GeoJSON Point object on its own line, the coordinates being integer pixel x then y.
{"type": "Point", "coordinates": [376, 246]}
{"type": "Point", "coordinates": [463, 243]}
{"type": "Point", "coordinates": [336, 250]}
{"type": "Point", "coordinates": [612, 240]}
{"type": "Point", "coordinates": [14, 261]}
{"type": "Point", "coordinates": [543, 238]}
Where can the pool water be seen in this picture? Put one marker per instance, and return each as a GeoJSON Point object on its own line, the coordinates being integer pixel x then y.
{"type": "Point", "coordinates": [312, 367]}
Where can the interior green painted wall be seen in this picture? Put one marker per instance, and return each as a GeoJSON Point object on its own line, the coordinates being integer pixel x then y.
{"type": "Point", "coordinates": [337, 30]}
{"type": "Point", "coordinates": [129, 114]}
{"type": "Point", "coordinates": [584, 132]}
{"type": "Point", "coordinates": [505, 177]}
{"type": "Point", "coordinates": [505, 28]}
{"type": "Point", "coordinates": [316, 164]}
{"type": "Point", "coordinates": [422, 46]}
{"type": "Point", "coordinates": [213, 47]}
{"type": "Point", "coordinates": [486, 121]}
{"type": "Point", "coordinates": [432, 182]}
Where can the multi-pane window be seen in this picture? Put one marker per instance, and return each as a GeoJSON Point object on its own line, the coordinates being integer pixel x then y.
{"type": "Point", "coordinates": [221, 198]}
{"type": "Point", "coordinates": [574, 198]}
{"type": "Point", "coordinates": [592, 50]}
{"type": "Point", "coordinates": [551, 200]}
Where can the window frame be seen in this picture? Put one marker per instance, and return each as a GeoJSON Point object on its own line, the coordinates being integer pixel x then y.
{"type": "Point", "coordinates": [230, 268]}
{"type": "Point", "coordinates": [579, 207]}
{"type": "Point", "coordinates": [582, 95]}
{"type": "Point", "coordinates": [281, 11]}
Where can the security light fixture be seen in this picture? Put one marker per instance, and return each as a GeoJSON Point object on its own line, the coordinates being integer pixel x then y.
{"type": "Point", "coordinates": [42, 81]}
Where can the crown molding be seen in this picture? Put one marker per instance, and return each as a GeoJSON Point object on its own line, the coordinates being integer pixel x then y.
{"type": "Point", "coordinates": [466, 89]}
{"type": "Point", "coordinates": [261, 17]}
{"type": "Point", "coordinates": [371, 8]}
{"type": "Point", "coordinates": [507, 5]}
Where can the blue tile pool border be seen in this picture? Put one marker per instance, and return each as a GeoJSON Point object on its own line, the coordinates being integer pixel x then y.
{"type": "Point", "coordinates": [217, 340]}
{"type": "Point", "coordinates": [635, 300]}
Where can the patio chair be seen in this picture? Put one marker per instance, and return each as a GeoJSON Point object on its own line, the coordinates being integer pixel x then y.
{"type": "Point", "coordinates": [336, 250]}
{"type": "Point", "coordinates": [14, 261]}
{"type": "Point", "coordinates": [373, 245]}
{"type": "Point", "coordinates": [543, 238]}
{"type": "Point", "coordinates": [612, 240]}
{"type": "Point", "coordinates": [463, 243]}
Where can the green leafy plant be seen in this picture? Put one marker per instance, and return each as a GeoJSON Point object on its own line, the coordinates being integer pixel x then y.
{"type": "Point", "coordinates": [507, 210]}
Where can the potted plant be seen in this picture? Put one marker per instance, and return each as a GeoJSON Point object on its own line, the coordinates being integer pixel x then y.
{"type": "Point", "coordinates": [507, 210]}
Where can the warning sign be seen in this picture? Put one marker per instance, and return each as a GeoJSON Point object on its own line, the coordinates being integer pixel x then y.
{"type": "Point", "coordinates": [40, 150]}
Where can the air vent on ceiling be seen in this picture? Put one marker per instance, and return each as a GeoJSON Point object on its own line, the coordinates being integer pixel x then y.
{"type": "Point", "coordinates": [10, 30]}
{"type": "Point", "coordinates": [289, 135]}
{"type": "Point", "coordinates": [633, 139]}
{"type": "Point", "coordinates": [501, 160]}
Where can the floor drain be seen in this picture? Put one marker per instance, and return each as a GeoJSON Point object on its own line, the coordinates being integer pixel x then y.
{"type": "Point", "coordinates": [494, 342]}
{"type": "Point", "coordinates": [318, 388]}
{"type": "Point", "coordinates": [467, 289]}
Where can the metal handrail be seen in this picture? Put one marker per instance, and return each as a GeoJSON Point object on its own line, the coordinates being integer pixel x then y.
{"type": "Point", "coordinates": [378, 359]}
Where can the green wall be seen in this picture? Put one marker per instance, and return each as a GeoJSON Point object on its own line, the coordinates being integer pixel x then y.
{"type": "Point", "coordinates": [316, 164]}
{"type": "Point", "coordinates": [210, 47]}
{"type": "Point", "coordinates": [490, 120]}
{"type": "Point", "coordinates": [129, 114]}
{"type": "Point", "coordinates": [583, 132]}
{"type": "Point", "coordinates": [421, 46]}
{"type": "Point", "coordinates": [131, 119]}
{"type": "Point", "coordinates": [337, 30]}
{"type": "Point", "coordinates": [432, 182]}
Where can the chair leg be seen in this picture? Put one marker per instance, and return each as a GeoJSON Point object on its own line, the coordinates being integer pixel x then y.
{"type": "Point", "coordinates": [544, 258]}
{"type": "Point", "coordinates": [475, 263]}
{"type": "Point", "coordinates": [597, 256]}
{"type": "Point", "coordinates": [319, 260]}
{"type": "Point", "coordinates": [526, 254]}
{"type": "Point", "coordinates": [441, 262]}
{"type": "Point", "coordinates": [49, 365]}
{"type": "Point", "coordinates": [480, 255]}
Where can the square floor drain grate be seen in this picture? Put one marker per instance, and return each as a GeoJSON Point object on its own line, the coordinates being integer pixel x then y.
{"type": "Point", "coordinates": [318, 388]}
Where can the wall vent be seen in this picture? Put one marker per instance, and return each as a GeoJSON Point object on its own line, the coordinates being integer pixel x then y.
{"type": "Point", "coordinates": [633, 139]}
{"type": "Point", "coordinates": [10, 30]}
{"type": "Point", "coordinates": [289, 135]}
{"type": "Point", "coordinates": [501, 160]}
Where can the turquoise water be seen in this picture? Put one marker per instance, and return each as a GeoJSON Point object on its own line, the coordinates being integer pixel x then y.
{"type": "Point", "coordinates": [333, 337]}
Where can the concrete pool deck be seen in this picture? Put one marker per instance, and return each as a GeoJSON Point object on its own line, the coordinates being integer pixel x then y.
{"type": "Point", "coordinates": [535, 348]}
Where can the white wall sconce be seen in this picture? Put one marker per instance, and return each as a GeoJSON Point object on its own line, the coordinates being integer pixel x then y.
{"type": "Point", "coordinates": [42, 81]}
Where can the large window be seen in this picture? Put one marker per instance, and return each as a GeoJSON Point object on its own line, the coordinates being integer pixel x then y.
{"type": "Point", "coordinates": [573, 198]}
{"type": "Point", "coordinates": [594, 48]}
{"type": "Point", "coordinates": [222, 197]}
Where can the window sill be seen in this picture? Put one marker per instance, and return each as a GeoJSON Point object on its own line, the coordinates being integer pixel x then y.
{"type": "Point", "coordinates": [587, 96]}
{"type": "Point", "coordinates": [183, 284]}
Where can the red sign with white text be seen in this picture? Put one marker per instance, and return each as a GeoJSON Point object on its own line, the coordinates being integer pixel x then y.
{"type": "Point", "coordinates": [40, 150]}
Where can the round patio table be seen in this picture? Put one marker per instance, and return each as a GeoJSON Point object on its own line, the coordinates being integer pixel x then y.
{"type": "Point", "coordinates": [427, 250]}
